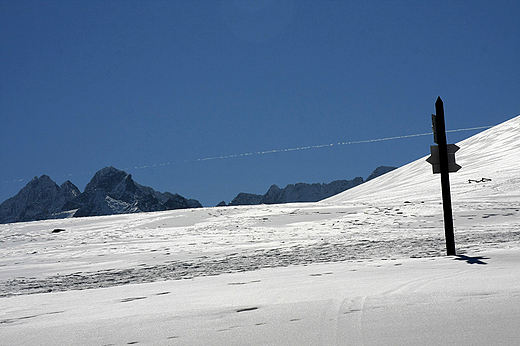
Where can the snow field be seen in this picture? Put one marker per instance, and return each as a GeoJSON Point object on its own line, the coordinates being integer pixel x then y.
{"type": "Point", "coordinates": [365, 267]}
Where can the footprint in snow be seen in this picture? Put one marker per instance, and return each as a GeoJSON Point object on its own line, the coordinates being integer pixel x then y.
{"type": "Point", "coordinates": [125, 300]}
{"type": "Point", "coordinates": [247, 309]}
{"type": "Point", "coordinates": [162, 293]}
{"type": "Point", "coordinates": [243, 283]}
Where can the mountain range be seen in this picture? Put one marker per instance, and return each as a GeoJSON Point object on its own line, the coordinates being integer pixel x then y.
{"type": "Point", "coordinates": [303, 192]}
{"type": "Point", "coordinates": [113, 191]}
{"type": "Point", "coordinates": [110, 191]}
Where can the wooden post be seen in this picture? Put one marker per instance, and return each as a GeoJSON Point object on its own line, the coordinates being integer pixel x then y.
{"type": "Point", "coordinates": [439, 130]}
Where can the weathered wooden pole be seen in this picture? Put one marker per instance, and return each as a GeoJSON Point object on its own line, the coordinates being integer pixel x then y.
{"type": "Point", "coordinates": [443, 162]}
{"type": "Point", "coordinates": [440, 138]}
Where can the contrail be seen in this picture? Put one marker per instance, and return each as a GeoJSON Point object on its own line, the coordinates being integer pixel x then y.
{"type": "Point", "coordinates": [265, 152]}
{"type": "Point", "coordinates": [329, 145]}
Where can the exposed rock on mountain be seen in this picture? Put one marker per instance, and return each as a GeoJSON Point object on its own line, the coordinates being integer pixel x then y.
{"type": "Point", "coordinates": [379, 171]}
{"type": "Point", "coordinates": [40, 199]}
{"type": "Point", "coordinates": [110, 191]}
{"type": "Point", "coordinates": [302, 192]}
{"type": "Point", "coordinates": [244, 198]}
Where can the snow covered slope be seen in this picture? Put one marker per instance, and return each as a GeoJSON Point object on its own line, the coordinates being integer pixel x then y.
{"type": "Point", "coordinates": [365, 267]}
{"type": "Point", "coordinates": [492, 154]}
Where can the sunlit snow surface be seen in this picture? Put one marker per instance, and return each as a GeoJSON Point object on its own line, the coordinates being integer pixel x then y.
{"type": "Point", "coordinates": [365, 267]}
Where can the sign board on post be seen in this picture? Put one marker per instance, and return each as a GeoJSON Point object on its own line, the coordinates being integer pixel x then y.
{"type": "Point", "coordinates": [435, 159]}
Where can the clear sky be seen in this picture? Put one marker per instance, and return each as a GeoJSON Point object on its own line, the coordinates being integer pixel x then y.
{"type": "Point", "coordinates": [153, 87]}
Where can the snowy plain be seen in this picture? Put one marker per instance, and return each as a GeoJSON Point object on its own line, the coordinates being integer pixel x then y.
{"type": "Point", "coordinates": [365, 267]}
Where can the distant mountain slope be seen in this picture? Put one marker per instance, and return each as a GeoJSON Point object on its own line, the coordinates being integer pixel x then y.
{"type": "Point", "coordinates": [39, 199]}
{"type": "Point", "coordinates": [490, 163]}
{"type": "Point", "coordinates": [110, 191]}
{"type": "Point", "coordinates": [379, 171]}
{"type": "Point", "coordinates": [113, 191]}
{"type": "Point", "coordinates": [303, 192]}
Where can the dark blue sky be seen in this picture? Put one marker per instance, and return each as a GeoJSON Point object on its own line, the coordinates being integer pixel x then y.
{"type": "Point", "coordinates": [163, 84]}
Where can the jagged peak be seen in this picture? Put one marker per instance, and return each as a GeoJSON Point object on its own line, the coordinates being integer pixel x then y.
{"type": "Point", "coordinates": [41, 182]}
{"type": "Point", "coordinates": [106, 179]}
{"type": "Point", "coordinates": [67, 183]}
{"type": "Point", "coordinates": [69, 189]}
{"type": "Point", "coordinates": [126, 185]}
{"type": "Point", "coordinates": [380, 171]}
{"type": "Point", "coordinates": [274, 187]}
{"type": "Point", "coordinates": [42, 179]}
{"type": "Point", "coordinates": [109, 170]}
{"type": "Point", "coordinates": [110, 191]}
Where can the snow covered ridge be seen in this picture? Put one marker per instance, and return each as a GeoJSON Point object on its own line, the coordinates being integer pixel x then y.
{"type": "Point", "coordinates": [111, 191]}
{"type": "Point", "coordinates": [490, 163]}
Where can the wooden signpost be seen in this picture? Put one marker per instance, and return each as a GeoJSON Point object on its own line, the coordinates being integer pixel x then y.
{"type": "Point", "coordinates": [443, 161]}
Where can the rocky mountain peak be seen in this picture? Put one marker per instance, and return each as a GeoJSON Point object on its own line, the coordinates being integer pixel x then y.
{"type": "Point", "coordinates": [106, 179]}
{"type": "Point", "coordinates": [43, 181]}
{"type": "Point", "coordinates": [127, 186]}
{"type": "Point", "coordinates": [244, 198]}
{"type": "Point", "coordinates": [42, 188]}
{"type": "Point", "coordinates": [40, 198]}
{"type": "Point", "coordinates": [68, 189]}
{"type": "Point", "coordinates": [380, 171]}
{"type": "Point", "coordinates": [272, 195]}
{"type": "Point", "coordinates": [110, 191]}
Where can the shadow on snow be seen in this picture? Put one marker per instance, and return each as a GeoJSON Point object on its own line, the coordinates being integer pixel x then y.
{"type": "Point", "coordinates": [471, 260]}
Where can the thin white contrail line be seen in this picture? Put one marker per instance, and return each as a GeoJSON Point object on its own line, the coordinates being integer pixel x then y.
{"type": "Point", "coordinates": [273, 151]}
{"type": "Point", "coordinates": [330, 145]}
